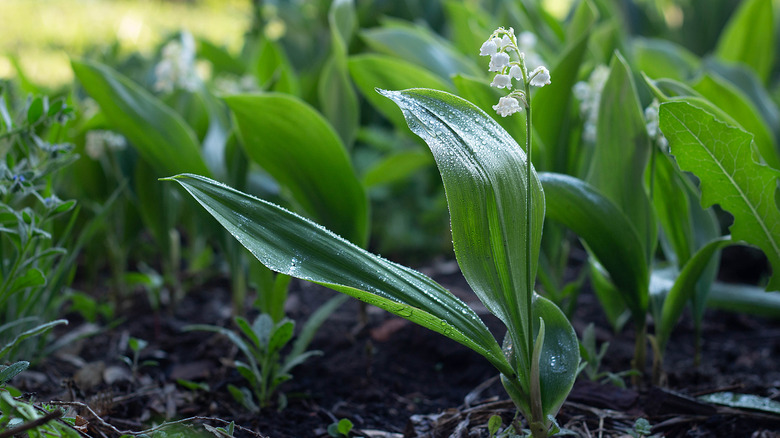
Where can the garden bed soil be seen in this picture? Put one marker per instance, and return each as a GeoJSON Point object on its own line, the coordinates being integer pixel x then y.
{"type": "Point", "coordinates": [392, 378]}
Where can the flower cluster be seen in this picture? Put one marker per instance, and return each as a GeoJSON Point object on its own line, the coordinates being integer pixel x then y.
{"type": "Point", "coordinates": [501, 46]}
{"type": "Point", "coordinates": [589, 94]}
{"type": "Point", "coordinates": [177, 67]}
{"type": "Point", "coordinates": [651, 115]}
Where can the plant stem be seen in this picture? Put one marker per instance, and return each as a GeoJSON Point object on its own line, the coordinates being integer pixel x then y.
{"type": "Point", "coordinates": [537, 423]}
{"type": "Point", "coordinates": [640, 354]}
{"type": "Point", "coordinates": [529, 217]}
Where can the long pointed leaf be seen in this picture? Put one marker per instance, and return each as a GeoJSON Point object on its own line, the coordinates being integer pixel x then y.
{"type": "Point", "coordinates": [484, 175]}
{"type": "Point", "coordinates": [684, 288]}
{"type": "Point", "coordinates": [607, 232]}
{"type": "Point", "coordinates": [161, 136]}
{"type": "Point", "coordinates": [298, 147]}
{"type": "Point", "coordinates": [292, 245]}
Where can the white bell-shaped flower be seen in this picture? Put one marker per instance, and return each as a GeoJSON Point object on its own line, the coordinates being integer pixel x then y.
{"type": "Point", "coordinates": [507, 106]}
{"type": "Point", "coordinates": [540, 76]}
{"type": "Point", "coordinates": [489, 48]}
{"type": "Point", "coordinates": [499, 61]}
{"type": "Point", "coordinates": [502, 81]}
{"type": "Point", "coordinates": [516, 72]}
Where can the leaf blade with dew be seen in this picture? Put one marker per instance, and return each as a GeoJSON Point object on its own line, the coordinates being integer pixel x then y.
{"type": "Point", "coordinates": [293, 245]}
{"type": "Point", "coordinates": [484, 175]}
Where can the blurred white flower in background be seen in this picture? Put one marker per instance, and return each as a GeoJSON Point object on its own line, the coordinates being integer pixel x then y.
{"type": "Point", "coordinates": [176, 69]}
{"type": "Point", "coordinates": [589, 94]}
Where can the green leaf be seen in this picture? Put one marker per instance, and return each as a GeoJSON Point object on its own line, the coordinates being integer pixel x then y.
{"type": "Point", "coordinates": [159, 134]}
{"type": "Point", "coordinates": [684, 288]}
{"type": "Point", "coordinates": [744, 401]}
{"type": "Point", "coordinates": [664, 59]}
{"type": "Point", "coordinates": [560, 355]}
{"type": "Point", "coordinates": [9, 372]}
{"type": "Point", "coordinates": [281, 335]}
{"type": "Point", "coordinates": [32, 277]}
{"type": "Point", "coordinates": [608, 233]}
{"type": "Point", "coordinates": [337, 96]}
{"type": "Point", "coordinates": [396, 167]}
{"type": "Point", "coordinates": [35, 331]}
{"type": "Point", "coordinates": [297, 147]}
{"type": "Point", "coordinates": [484, 175]}
{"type": "Point", "coordinates": [721, 156]}
{"type": "Point", "coordinates": [622, 152]}
{"type": "Point", "coordinates": [737, 105]}
{"type": "Point", "coordinates": [290, 244]}
{"type": "Point", "coordinates": [551, 115]}
{"type": "Point", "coordinates": [414, 43]}
{"type": "Point", "coordinates": [35, 111]}
{"type": "Point", "coordinates": [746, 37]}
{"type": "Point", "coordinates": [472, 24]}
{"type": "Point", "coordinates": [273, 69]}
{"type": "Point", "coordinates": [744, 299]}
{"type": "Point", "coordinates": [257, 333]}
{"type": "Point", "coordinates": [671, 204]}
{"type": "Point", "coordinates": [220, 58]}
{"type": "Point", "coordinates": [380, 71]}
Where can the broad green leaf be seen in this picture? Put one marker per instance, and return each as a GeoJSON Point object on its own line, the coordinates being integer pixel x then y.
{"type": "Point", "coordinates": [220, 58]}
{"type": "Point", "coordinates": [684, 288]}
{"type": "Point", "coordinates": [551, 110]}
{"type": "Point", "coordinates": [273, 69]}
{"type": "Point", "coordinates": [290, 244]}
{"type": "Point", "coordinates": [622, 152]}
{"type": "Point", "coordinates": [721, 156]}
{"type": "Point", "coordinates": [406, 41]}
{"type": "Point", "coordinates": [396, 167]}
{"type": "Point", "coordinates": [380, 71]}
{"type": "Point", "coordinates": [748, 82]}
{"type": "Point", "coordinates": [664, 59]}
{"type": "Point", "coordinates": [560, 356]}
{"type": "Point", "coordinates": [158, 133]}
{"type": "Point", "coordinates": [727, 97]}
{"type": "Point", "coordinates": [583, 18]}
{"type": "Point", "coordinates": [747, 37]}
{"type": "Point", "coordinates": [484, 174]}
{"type": "Point", "coordinates": [296, 146]}
{"type": "Point", "coordinates": [469, 25]}
{"type": "Point", "coordinates": [608, 233]}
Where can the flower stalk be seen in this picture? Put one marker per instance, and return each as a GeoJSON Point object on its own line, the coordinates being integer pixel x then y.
{"type": "Point", "coordinates": [501, 44]}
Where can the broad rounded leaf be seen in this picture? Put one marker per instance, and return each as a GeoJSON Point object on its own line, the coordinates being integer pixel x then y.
{"type": "Point", "coordinates": [560, 358]}
{"type": "Point", "coordinates": [721, 156]}
{"type": "Point", "coordinates": [297, 146]}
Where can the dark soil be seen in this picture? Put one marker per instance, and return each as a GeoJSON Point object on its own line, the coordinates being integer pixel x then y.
{"type": "Point", "coordinates": [392, 378]}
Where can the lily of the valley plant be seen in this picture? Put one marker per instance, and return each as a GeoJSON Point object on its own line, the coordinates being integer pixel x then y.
{"type": "Point", "coordinates": [497, 208]}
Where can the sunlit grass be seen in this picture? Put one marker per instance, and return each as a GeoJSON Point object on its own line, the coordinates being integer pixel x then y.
{"type": "Point", "coordinates": [44, 34]}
